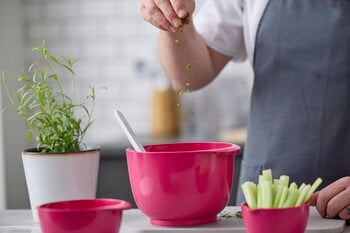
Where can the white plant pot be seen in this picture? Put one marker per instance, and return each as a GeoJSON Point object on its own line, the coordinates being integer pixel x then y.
{"type": "Point", "coordinates": [60, 176]}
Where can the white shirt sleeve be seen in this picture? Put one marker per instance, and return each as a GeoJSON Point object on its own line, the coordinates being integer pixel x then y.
{"type": "Point", "coordinates": [220, 23]}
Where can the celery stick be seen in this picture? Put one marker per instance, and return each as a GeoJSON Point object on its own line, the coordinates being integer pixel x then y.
{"type": "Point", "coordinates": [267, 174]}
{"type": "Point", "coordinates": [292, 197]}
{"type": "Point", "coordinates": [276, 182]}
{"type": "Point", "coordinates": [249, 194]}
{"type": "Point", "coordinates": [313, 188]}
{"type": "Point", "coordinates": [277, 196]}
{"type": "Point", "coordinates": [274, 191]}
{"type": "Point", "coordinates": [277, 193]}
{"type": "Point", "coordinates": [259, 196]}
{"type": "Point", "coordinates": [284, 180]}
{"type": "Point", "coordinates": [254, 189]}
{"type": "Point", "coordinates": [261, 179]}
{"type": "Point", "coordinates": [303, 192]}
{"type": "Point", "coordinates": [293, 185]}
{"type": "Point", "coordinates": [266, 191]}
{"type": "Point", "coordinates": [283, 198]}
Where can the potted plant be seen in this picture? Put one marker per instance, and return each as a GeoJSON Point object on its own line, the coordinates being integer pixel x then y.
{"type": "Point", "coordinates": [61, 166]}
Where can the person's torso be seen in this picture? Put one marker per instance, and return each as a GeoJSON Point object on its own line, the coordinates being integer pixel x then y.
{"type": "Point", "coordinates": [299, 123]}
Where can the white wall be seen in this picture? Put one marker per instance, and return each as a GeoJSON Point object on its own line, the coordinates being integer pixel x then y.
{"type": "Point", "coordinates": [13, 129]}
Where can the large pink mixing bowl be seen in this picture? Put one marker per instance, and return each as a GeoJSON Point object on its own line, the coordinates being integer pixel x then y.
{"type": "Point", "coordinates": [182, 184]}
{"type": "Point", "coordinates": [82, 216]}
{"type": "Point", "coordinates": [276, 220]}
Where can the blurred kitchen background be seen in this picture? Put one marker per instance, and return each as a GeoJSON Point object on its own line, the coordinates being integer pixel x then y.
{"type": "Point", "coordinates": [118, 50]}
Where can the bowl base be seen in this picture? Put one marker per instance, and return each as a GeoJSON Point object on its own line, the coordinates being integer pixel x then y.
{"type": "Point", "coordinates": [183, 223]}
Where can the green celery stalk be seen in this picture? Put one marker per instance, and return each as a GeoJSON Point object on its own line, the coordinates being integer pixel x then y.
{"type": "Point", "coordinates": [292, 197]}
{"type": "Point", "coordinates": [284, 196]}
{"type": "Point", "coordinates": [261, 179]}
{"type": "Point", "coordinates": [293, 185]}
{"type": "Point", "coordinates": [259, 196]}
{"type": "Point", "coordinates": [277, 193]}
{"type": "Point", "coordinates": [313, 188]}
{"type": "Point", "coordinates": [302, 186]}
{"type": "Point", "coordinates": [303, 192]}
{"type": "Point", "coordinates": [277, 196]}
{"type": "Point", "coordinates": [249, 194]}
{"type": "Point", "coordinates": [284, 180]}
{"type": "Point", "coordinates": [267, 174]}
{"type": "Point", "coordinates": [267, 194]}
{"type": "Point", "coordinates": [254, 188]}
{"type": "Point", "coordinates": [276, 182]}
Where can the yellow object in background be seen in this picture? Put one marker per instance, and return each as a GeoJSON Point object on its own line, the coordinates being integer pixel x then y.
{"type": "Point", "coordinates": [165, 113]}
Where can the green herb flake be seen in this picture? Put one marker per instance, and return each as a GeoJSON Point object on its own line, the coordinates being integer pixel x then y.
{"type": "Point", "coordinates": [188, 66]}
{"type": "Point", "coordinates": [225, 215]}
{"type": "Point", "coordinates": [186, 19]}
{"type": "Point", "coordinates": [238, 214]}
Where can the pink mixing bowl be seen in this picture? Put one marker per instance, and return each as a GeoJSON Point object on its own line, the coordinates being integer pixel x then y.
{"type": "Point", "coordinates": [182, 184]}
{"type": "Point", "coordinates": [286, 220]}
{"type": "Point", "coordinates": [82, 216]}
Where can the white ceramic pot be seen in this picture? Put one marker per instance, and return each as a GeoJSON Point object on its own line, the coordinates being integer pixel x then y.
{"type": "Point", "coordinates": [60, 176]}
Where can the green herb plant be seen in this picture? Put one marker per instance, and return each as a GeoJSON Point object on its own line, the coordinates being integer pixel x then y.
{"type": "Point", "coordinates": [51, 113]}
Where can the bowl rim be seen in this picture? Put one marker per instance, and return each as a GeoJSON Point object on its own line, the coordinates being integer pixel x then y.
{"type": "Point", "coordinates": [230, 146]}
{"type": "Point", "coordinates": [115, 204]}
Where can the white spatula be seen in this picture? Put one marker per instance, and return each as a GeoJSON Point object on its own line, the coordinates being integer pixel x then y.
{"type": "Point", "coordinates": [128, 131]}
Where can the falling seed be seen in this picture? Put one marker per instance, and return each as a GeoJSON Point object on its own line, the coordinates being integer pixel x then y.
{"type": "Point", "coordinates": [181, 92]}
{"type": "Point", "coordinates": [188, 84]}
{"type": "Point", "coordinates": [188, 66]}
{"type": "Point", "coordinates": [178, 104]}
{"type": "Point", "coordinates": [177, 41]}
{"type": "Point", "coordinates": [186, 19]}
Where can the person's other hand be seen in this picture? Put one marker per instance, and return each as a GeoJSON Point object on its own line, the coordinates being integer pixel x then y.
{"type": "Point", "coordinates": [166, 14]}
{"type": "Point", "coordinates": [333, 200]}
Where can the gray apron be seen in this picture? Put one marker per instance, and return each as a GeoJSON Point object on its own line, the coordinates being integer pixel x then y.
{"type": "Point", "coordinates": [299, 123]}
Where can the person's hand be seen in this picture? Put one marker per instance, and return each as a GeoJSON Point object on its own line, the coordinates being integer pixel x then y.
{"type": "Point", "coordinates": [166, 14]}
{"type": "Point", "coordinates": [333, 200]}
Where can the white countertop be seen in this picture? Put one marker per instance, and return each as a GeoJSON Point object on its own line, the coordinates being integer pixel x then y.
{"type": "Point", "coordinates": [20, 221]}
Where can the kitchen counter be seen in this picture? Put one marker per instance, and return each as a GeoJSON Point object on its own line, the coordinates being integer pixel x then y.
{"type": "Point", "coordinates": [20, 221]}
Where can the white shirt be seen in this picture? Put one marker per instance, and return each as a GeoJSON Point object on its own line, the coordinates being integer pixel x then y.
{"type": "Point", "coordinates": [230, 26]}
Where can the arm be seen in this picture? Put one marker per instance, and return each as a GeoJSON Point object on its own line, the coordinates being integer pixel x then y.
{"type": "Point", "coordinates": [179, 48]}
{"type": "Point", "coordinates": [334, 200]}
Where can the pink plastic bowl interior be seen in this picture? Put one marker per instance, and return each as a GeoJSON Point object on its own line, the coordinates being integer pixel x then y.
{"type": "Point", "coordinates": [286, 220]}
{"type": "Point", "coordinates": [182, 184]}
{"type": "Point", "coordinates": [83, 216]}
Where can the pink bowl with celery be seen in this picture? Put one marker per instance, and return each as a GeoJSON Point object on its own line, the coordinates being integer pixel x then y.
{"type": "Point", "coordinates": [276, 220]}
{"type": "Point", "coordinates": [182, 184]}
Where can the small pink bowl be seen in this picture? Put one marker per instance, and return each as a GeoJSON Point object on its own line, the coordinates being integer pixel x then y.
{"type": "Point", "coordinates": [182, 184]}
{"type": "Point", "coordinates": [286, 220]}
{"type": "Point", "coordinates": [82, 216]}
